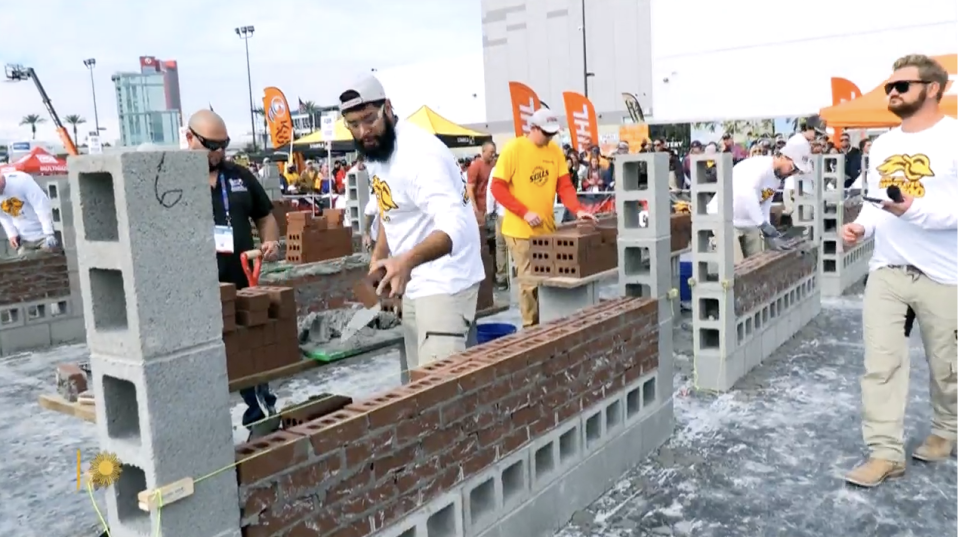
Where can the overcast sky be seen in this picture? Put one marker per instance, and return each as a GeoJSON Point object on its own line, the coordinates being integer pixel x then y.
{"type": "Point", "coordinates": [307, 49]}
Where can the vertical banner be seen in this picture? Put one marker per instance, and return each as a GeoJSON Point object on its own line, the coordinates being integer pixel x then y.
{"type": "Point", "coordinates": [581, 117]}
{"type": "Point", "coordinates": [525, 102]}
{"type": "Point", "coordinates": [278, 117]}
{"type": "Point", "coordinates": [843, 90]}
{"type": "Point", "coordinates": [633, 107]}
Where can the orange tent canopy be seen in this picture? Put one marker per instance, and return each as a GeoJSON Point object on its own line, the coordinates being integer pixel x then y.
{"type": "Point", "coordinates": [38, 162]}
{"type": "Point", "coordinates": [870, 110]}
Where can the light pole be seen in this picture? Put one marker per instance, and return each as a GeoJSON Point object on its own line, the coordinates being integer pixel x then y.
{"type": "Point", "coordinates": [245, 33]}
{"type": "Point", "coordinates": [586, 73]}
{"type": "Point", "coordinates": [90, 63]}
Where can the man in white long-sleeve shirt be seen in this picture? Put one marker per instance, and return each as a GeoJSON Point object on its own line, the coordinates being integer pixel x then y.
{"type": "Point", "coordinates": [913, 269]}
{"type": "Point", "coordinates": [755, 182]}
{"type": "Point", "coordinates": [428, 242]}
{"type": "Point", "coordinates": [25, 215]}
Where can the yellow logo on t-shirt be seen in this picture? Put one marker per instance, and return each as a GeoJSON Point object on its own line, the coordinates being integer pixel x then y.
{"type": "Point", "coordinates": [767, 193]}
{"type": "Point", "coordinates": [12, 206]}
{"type": "Point", "coordinates": [539, 176]}
{"type": "Point", "coordinates": [384, 197]}
{"type": "Point", "coordinates": [906, 172]}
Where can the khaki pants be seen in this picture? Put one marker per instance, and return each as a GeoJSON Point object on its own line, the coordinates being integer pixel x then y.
{"type": "Point", "coordinates": [885, 386]}
{"type": "Point", "coordinates": [528, 300]}
{"type": "Point", "coordinates": [749, 242]}
{"type": "Point", "coordinates": [438, 326]}
{"type": "Point", "coordinates": [32, 249]}
{"type": "Point", "coordinates": [502, 254]}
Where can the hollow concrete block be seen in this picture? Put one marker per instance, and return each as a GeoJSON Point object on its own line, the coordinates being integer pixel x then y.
{"type": "Point", "coordinates": [145, 250]}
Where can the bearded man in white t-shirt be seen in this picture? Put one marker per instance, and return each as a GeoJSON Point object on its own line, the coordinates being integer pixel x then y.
{"type": "Point", "coordinates": [913, 270]}
{"type": "Point", "coordinates": [428, 243]}
{"type": "Point", "coordinates": [755, 182]}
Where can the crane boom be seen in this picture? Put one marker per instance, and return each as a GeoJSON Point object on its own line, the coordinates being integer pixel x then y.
{"type": "Point", "coordinates": [19, 73]}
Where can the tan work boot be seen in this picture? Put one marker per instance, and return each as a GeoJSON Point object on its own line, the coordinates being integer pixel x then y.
{"type": "Point", "coordinates": [934, 449]}
{"type": "Point", "coordinates": [874, 471]}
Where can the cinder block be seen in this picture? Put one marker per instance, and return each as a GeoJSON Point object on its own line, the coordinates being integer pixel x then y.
{"type": "Point", "coordinates": [648, 262]}
{"type": "Point", "coordinates": [24, 337]}
{"type": "Point", "coordinates": [145, 243]}
{"type": "Point", "coordinates": [141, 420]}
{"type": "Point", "coordinates": [67, 331]}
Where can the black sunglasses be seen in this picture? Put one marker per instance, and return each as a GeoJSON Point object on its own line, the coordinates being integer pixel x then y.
{"type": "Point", "coordinates": [212, 145]}
{"type": "Point", "coordinates": [902, 86]}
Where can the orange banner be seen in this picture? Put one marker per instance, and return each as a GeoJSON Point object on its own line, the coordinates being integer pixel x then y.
{"type": "Point", "coordinates": [634, 135]}
{"type": "Point", "coordinates": [525, 102]}
{"type": "Point", "coordinates": [843, 90]}
{"type": "Point", "coordinates": [278, 117]}
{"type": "Point", "coordinates": [581, 117]}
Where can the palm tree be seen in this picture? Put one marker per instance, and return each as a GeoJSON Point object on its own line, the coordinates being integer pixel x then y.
{"type": "Point", "coordinates": [309, 107]}
{"type": "Point", "coordinates": [32, 120]}
{"type": "Point", "coordinates": [74, 120]}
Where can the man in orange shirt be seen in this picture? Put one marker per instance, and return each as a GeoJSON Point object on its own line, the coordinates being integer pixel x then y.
{"type": "Point", "coordinates": [530, 172]}
{"type": "Point", "coordinates": [477, 176]}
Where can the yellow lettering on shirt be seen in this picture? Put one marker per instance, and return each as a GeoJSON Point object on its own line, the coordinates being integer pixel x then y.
{"type": "Point", "coordinates": [767, 193]}
{"type": "Point", "coordinates": [906, 172]}
{"type": "Point", "coordinates": [12, 206]}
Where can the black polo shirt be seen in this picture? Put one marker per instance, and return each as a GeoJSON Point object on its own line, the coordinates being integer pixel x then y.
{"type": "Point", "coordinates": [248, 203]}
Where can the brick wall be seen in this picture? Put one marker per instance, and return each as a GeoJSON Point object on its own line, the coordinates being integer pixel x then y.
{"type": "Point", "coordinates": [362, 468]}
{"type": "Point", "coordinates": [759, 278]}
{"type": "Point", "coordinates": [319, 286]}
{"type": "Point", "coordinates": [34, 279]}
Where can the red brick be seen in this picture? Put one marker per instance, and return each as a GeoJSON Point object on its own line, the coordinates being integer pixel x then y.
{"type": "Point", "coordinates": [71, 381]}
{"type": "Point", "coordinates": [333, 431]}
{"type": "Point", "coordinates": [227, 292]}
{"type": "Point", "coordinates": [313, 408]}
{"type": "Point", "coordinates": [252, 318]}
{"type": "Point", "coordinates": [306, 479]}
{"type": "Point", "coordinates": [269, 455]}
{"type": "Point", "coordinates": [252, 299]}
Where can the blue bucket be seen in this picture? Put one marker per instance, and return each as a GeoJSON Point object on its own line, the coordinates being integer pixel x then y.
{"type": "Point", "coordinates": [486, 332]}
{"type": "Point", "coordinates": [685, 273]}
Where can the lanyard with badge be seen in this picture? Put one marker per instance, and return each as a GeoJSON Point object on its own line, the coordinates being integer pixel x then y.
{"type": "Point", "coordinates": [223, 235]}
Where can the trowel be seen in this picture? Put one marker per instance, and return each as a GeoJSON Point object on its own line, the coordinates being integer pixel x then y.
{"type": "Point", "coordinates": [360, 319]}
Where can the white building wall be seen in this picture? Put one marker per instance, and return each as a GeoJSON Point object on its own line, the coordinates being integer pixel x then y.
{"type": "Point", "coordinates": [539, 43]}
{"type": "Point", "coordinates": [755, 58]}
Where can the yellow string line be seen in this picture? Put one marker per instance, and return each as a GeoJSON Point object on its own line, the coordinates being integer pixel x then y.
{"type": "Point", "coordinates": [103, 522]}
{"type": "Point", "coordinates": [239, 462]}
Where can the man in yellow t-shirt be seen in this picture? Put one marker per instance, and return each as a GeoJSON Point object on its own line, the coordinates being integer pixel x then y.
{"type": "Point", "coordinates": [530, 172]}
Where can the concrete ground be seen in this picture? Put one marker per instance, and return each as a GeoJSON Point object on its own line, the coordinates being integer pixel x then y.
{"type": "Point", "coordinates": [763, 460]}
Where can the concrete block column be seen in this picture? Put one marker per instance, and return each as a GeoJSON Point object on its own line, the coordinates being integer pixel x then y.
{"type": "Point", "coordinates": [713, 248]}
{"type": "Point", "coordinates": [357, 196]}
{"type": "Point", "coordinates": [154, 328]}
{"type": "Point", "coordinates": [808, 205]}
{"type": "Point", "coordinates": [644, 248]}
{"type": "Point", "coordinates": [831, 170]}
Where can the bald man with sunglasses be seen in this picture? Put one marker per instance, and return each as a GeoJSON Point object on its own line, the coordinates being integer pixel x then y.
{"type": "Point", "coordinates": [239, 202]}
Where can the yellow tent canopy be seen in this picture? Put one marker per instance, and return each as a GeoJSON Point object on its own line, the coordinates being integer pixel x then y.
{"type": "Point", "coordinates": [450, 133]}
{"type": "Point", "coordinates": [340, 134]}
{"type": "Point", "coordinates": [870, 110]}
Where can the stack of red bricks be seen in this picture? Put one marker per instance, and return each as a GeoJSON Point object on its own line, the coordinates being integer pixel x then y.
{"type": "Point", "coordinates": [311, 238]}
{"type": "Point", "coordinates": [356, 471]}
{"type": "Point", "coordinates": [259, 329]}
{"type": "Point", "coordinates": [26, 280]}
{"type": "Point", "coordinates": [575, 251]}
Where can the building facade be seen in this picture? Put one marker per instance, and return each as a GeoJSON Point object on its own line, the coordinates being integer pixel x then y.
{"type": "Point", "coordinates": [148, 103]}
{"type": "Point", "coordinates": [540, 43]}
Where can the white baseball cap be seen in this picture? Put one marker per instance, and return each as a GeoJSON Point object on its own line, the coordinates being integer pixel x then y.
{"type": "Point", "coordinates": [546, 120]}
{"type": "Point", "coordinates": [798, 150]}
{"type": "Point", "coordinates": [368, 90]}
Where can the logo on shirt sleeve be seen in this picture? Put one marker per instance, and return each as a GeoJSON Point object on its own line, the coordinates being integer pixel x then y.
{"type": "Point", "coordinates": [766, 194]}
{"type": "Point", "coordinates": [906, 172]}
{"type": "Point", "coordinates": [384, 197]}
{"type": "Point", "coordinates": [12, 206]}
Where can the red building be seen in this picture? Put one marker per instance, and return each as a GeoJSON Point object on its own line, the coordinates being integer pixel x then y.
{"type": "Point", "coordinates": [171, 80]}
